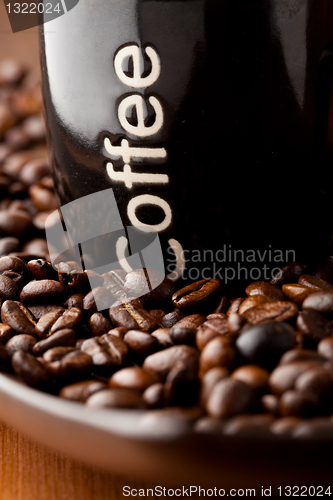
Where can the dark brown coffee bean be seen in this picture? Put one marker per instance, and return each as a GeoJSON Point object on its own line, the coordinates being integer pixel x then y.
{"type": "Point", "coordinates": [34, 170]}
{"type": "Point", "coordinates": [149, 285]}
{"type": "Point", "coordinates": [9, 244]}
{"type": "Point", "coordinates": [30, 370]}
{"type": "Point", "coordinates": [43, 292]}
{"type": "Point", "coordinates": [210, 378]}
{"type": "Point", "coordinates": [38, 246]}
{"type": "Point", "coordinates": [230, 397]}
{"type": "Point", "coordinates": [209, 425]}
{"type": "Point", "coordinates": [255, 376]}
{"type": "Point", "coordinates": [264, 288]}
{"type": "Point", "coordinates": [288, 274]}
{"type": "Point", "coordinates": [283, 377]}
{"type": "Point", "coordinates": [285, 426]}
{"type": "Point", "coordinates": [5, 333]}
{"type": "Point", "coordinates": [97, 299]}
{"type": "Point", "coordinates": [264, 344]}
{"type": "Point", "coordinates": [296, 292]}
{"type": "Point", "coordinates": [321, 302]}
{"type": "Point", "coordinates": [314, 429]}
{"type": "Point", "coordinates": [71, 318]}
{"type": "Point", "coordinates": [18, 317]}
{"type": "Point", "coordinates": [116, 398]}
{"type": "Point", "coordinates": [11, 72]}
{"type": "Point", "coordinates": [249, 426]}
{"type": "Point", "coordinates": [108, 352]}
{"type": "Point", "coordinates": [81, 391]}
{"type": "Point", "coordinates": [196, 295]}
{"type": "Point", "coordinates": [43, 198]}
{"type": "Point", "coordinates": [14, 222]}
{"type": "Point", "coordinates": [133, 377]}
{"type": "Point", "coordinates": [211, 328]}
{"type": "Point", "coordinates": [62, 338]}
{"type": "Point", "coordinates": [39, 310]}
{"type": "Point", "coordinates": [45, 323]}
{"type": "Point", "coordinates": [114, 281]}
{"type": "Point", "coordinates": [301, 355]}
{"type": "Point", "coordinates": [223, 305]}
{"type": "Point", "coordinates": [74, 278]}
{"type": "Point", "coordinates": [141, 343]}
{"type": "Point", "coordinates": [218, 352]}
{"type": "Point", "coordinates": [184, 332]}
{"type": "Point", "coordinates": [119, 332]}
{"type": "Point", "coordinates": [158, 314]}
{"type": "Point", "coordinates": [325, 348]}
{"type": "Point", "coordinates": [316, 284]}
{"type": "Point", "coordinates": [270, 403]}
{"type": "Point", "coordinates": [42, 269]}
{"type": "Point", "coordinates": [317, 382]}
{"type": "Point", "coordinates": [235, 305]}
{"type": "Point", "coordinates": [295, 404]}
{"type": "Point", "coordinates": [252, 301]}
{"type": "Point", "coordinates": [314, 327]}
{"type": "Point", "coordinates": [153, 396]}
{"type": "Point", "coordinates": [20, 342]}
{"type": "Point", "coordinates": [172, 318]}
{"type": "Point", "coordinates": [163, 337]}
{"type": "Point", "coordinates": [67, 363]}
{"type": "Point", "coordinates": [181, 387]}
{"type": "Point", "coordinates": [98, 324]}
{"type": "Point", "coordinates": [235, 323]}
{"type": "Point", "coordinates": [75, 300]}
{"type": "Point", "coordinates": [278, 311]}
{"type": "Point", "coordinates": [162, 362]}
{"type": "Point", "coordinates": [9, 290]}
{"type": "Point", "coordinates": [132, 315]}
{"type": "Point", "coordinates": [14, 268]}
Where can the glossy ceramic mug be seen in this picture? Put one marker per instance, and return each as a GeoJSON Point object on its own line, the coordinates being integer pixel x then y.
{"type": "Point", "coordinates": [208, 119]}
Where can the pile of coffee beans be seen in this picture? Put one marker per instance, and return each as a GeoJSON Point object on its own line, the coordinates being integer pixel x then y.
{"type": "Point", "coordinates": [260, 364]}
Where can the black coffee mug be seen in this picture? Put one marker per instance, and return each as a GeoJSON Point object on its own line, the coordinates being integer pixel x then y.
{"type": "Point", "coordinates": [207, 118]}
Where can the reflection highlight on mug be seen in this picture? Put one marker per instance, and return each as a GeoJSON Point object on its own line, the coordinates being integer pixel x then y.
{"type": "Point", "coordinates": [89, 233]}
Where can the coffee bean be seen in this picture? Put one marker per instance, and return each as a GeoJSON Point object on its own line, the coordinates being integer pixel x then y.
{"type": "Point", "coordinates": [181, 386]}
{"type": "Point", "coordinates": [41, 269]}
{"type": "Point", "coordinates": [218, 352]}
{"type": "Point", "coordinates": [119, 332]}
{"type": "Point", "coordinates": [295, 404]}
{"type": "Point", "coordinates": [114, 281]}
{"type": "Point", "coordinates": [163, 337]}
{"type": "Point", "coordinates": [45, 323]}
{"type": "Point", "coordinates": [81, 391]}
{"type": "Point", "coordinates": [14, 222]}
{"type": "Point", "coordinates": [255, 376]}
{"type": "Point", "coordinates": [211, 328]}
{"type": "Point", "coordinates": [41, 309]}
{"type": "Point", "coordinates": [9, 244]}
{"type": "Point", "coordinates": [314, 327]}
{"type": "Point", "coordinates": [321, 302]}
{"type": "Point", "coordinates": [252, 301]}
{"type": "Point", "coordinates": [75, 300]}
{"type": "Point", "coordinates": [68, 363]}
{"type": "Point", "coordinates": [71, 318]}
{"type": "Point", "coordinates": [98, 324]}
{"type": "Point", "coordinates": [43, 198]}
{"type": "Point", "coordinates": [141, 343]}
{"type": "Point", "coordinates": [184, 331]}
{"type": "Point", "coordinates": [149, 285]}
{"type": "Point", "coordinates": [34, 170]}
{"type": "Point", "coordinates": [158, 314]}
{"type": "Point", "coordinates": [9, 290]}
{"type": "Point", "coordinates": [230, 397]}
{"type": "Point", "coordinates": [278, 311]}
{"type": "Point", "coordinates": [316, 284]}
{"type": "Point", "coordinates": [162, 362]}
{"type": "Point", "coordinates": [317, 382]}
{"type": "Point", "coordinates": [196, 295]}
{"type": "Point", "coordinates": [209, 425]}
{"type": "Point", "coordinates": [43, 292]}
{"type": "Point", "coordinates": [283, 377]}
{"type": "Point", "coordinates": [171, 318]}
{"type": "Point", "coordinates": [314, 429]}
{"type": "Point", "coordinates": [270, 403]}
{"type": "Point", "coordinates": [297, 293]}
{"type": "Point", "coordinates": [268, 290]}
{"type": "Point", "coordinates": [223, 305]}
{"type": "Point", "coordinates": [325, 348]}
{"type": "Point", "coordinates": [209, 379]}
{"type": "Point", "coordinates": [30, 370]}
{"type": "Point", "coordinates": [108, 352]}
{"type": "Point", "coordinates": [39, 246]}
{"type": "Point", "coordinates": [301, 355]}
{"type": "Point", "coordinates": [265, 343]}
{"type": "Point", "coordinates": [235, 305]}
{"type": "Point", "coordinates": [62, 338]}
{"type": "Point", "coordinates": [285, 426]}
{"type": "Point", "coordinates": [153, 396]}
{"type": "Point", "coordinates": [22, 342]}
{"type": "Point", "coordinates": [133, 377]}
{"type": "Point", "coordinates": [98, 299]}
{"type": "Point", "coordinates": [5, 333]}
{"type": "Point", "coordinates": [116, 398]}
{"type": "Point", "coordinates": [14, 268]}
{"type": "Point", "coordinates": [235, 323]}
{"type": "Point", "coordinates": [18, 317]}
{"type": "Point", "coordinates": [132, 315]}
{"type": "Point", "coordinates": [288, 274]}
{"type": "Point", "coordinates": [254, 426]}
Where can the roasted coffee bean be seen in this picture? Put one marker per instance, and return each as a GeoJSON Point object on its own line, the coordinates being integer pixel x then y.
{"type": "Point", "coordinates": [235, 305]}
{"type": "Point", "coordinates": [288, 274]}
{"type": "Point", "coordinates": [230, 397]}
{"type": "Point", "coordinates": [141, 343]}
{"type": "Point", "coordinates": [39, 310]}
{"type": "Point", "coordinates": [18, 317]}
{"type": "Point", "coordinates": [30, 370]}
{"type": "Point", "coordinates": [223, 305]}
{"type": "Point", "coordinates": [149, 285]}
{"type": "Point", "coordinates": [98, 324]}
{"type": "Point", "coordinates": [235, 323]}
{"type": "Point", "coordinates": [41, 269]}
{"type": "Point", "coordinates": [5, 333]}
{"type": "Point", "coordinates": [296, 292]}
{"type": "Point", "coordinates": [252, 301]}
{"type": "Point", "coordinates": [71, 318]}
{"type": "Point", "coordinates": [270, 403]}
{"type": "Point", "coordinates": [72, 276]}
{"type": "Point", "coordinates": [11, 72]}
{"type": "Point", "coordinates": [270, 291]}
{"type": "Point", "coordinates": [283, 377]}
{"type": "Point", "coordinates": [158, 314]}
{"type": "Point", "coordinates": [9, 290]}
{"type": "Point", "coordinates": [132, 315]}
{"type": "Point", "coordinates": [196, 295]}
{"type": "Point", "coordinates": [14, 268]}
{"type": "Point", "coordinates": [116, 398]}
{"type": "Point", "coordinates": [295, 404]}
{"type": "Point", "coordinates": [171, 318]}
{"type": "Point", "coordinates": [43, 198]}
{"type": "Point", "coordinates": [317, 382]}
{"type": "Point", "coordinates": [249, 426]}
{"type": "Point", "coordinates": [153, 396]}
{"type": "Point", "coordinates": [285, 426]}
{"type": "Point", "coordinates": [301, 355]}
{"type": "Point", "coordinates": [97, 299]}
{"type": "Point", "coordinates": [22, 342]}
{"type": "Point", "coordinates": [14, 222]}
{"type": "Point", "coordinates": [133, 377]}
{"type": "Point", "coordinates": [108, 352]}
{"type": "Point", "coordinates": [174, 421]}
{"type": "Point", "coordinates": [8, 245]}
{"type": "Point", "coordinates": [38, 246]}
{"type": "Point", "coordinates": [218, 352]}
{"type": "Point", "coordinates": [34, 170]}
{"type": "Point", "coordinates": [81, 391]}
{"type": "Point", "coordinates": [45, 323]}
{"type": "Point", "coordinates": [211, 328]}
{"type": "Point", "coordinates": [184, 332]}
{"type": "Point", "coordinates": [119, 331]}
{"type": "Point", "coordinates": [314, 327]}
{"type": "Point", "coordinates": [163, 337]}
{"type": "Point", "coordinates": [62, 338]}
{"type": "Point", "coordinates": [321, 302]}
{"type": "Point", "coordinates": [68, 363]}
{"type": "Point", "coordinates": [114, 281]}
{"type": "Point", "coordinates": [181, 387]}
{"type": "Point", "coordinates": [325, 348]}
{"type": "Point", "coordinates": [314, 429]}
{"type": "Point", "coordinates": [162, 362]}
{"type": "Point", "coordinates": [255, 376]}
{"type": "Point", "coordinates": [316, 284]}
{"type": "Point", "coordinates": [209, 425]}
{"type": "Point", "coordinates": [43, 292]}
{"type": "Point", "coordinates": [75, 300]}
{"type": "Point", "coordinates": [209, 379]}
{"type": "Point", "coordinates": [264, 344]}
{"type": "Point", "coordinates": [278, 311]}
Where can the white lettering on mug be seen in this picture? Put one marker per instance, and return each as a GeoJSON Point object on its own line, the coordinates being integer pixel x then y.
{"type": "Point", "coordinates": [137, 103]}
{"type": "Point", "coordinates": [137, 80]}
{"type": "Point", "coordinates": [148, 199]}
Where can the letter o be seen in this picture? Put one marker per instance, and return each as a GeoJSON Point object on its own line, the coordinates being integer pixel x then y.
{"type": "Point", "coordinates": [148, 199]}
